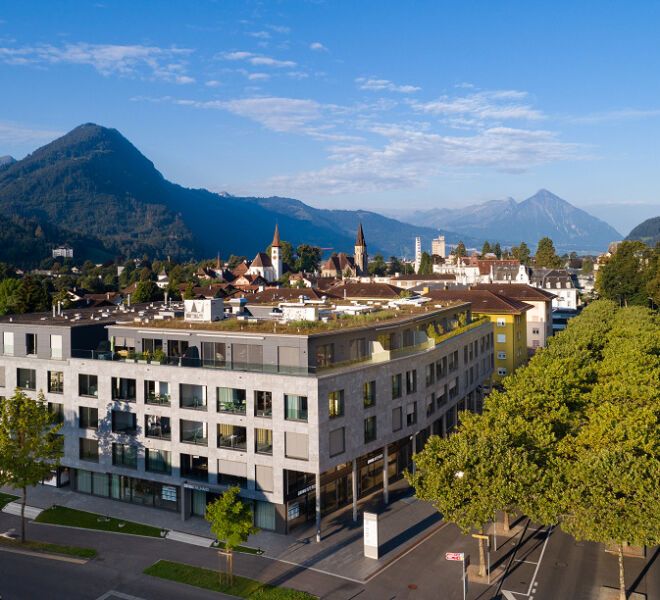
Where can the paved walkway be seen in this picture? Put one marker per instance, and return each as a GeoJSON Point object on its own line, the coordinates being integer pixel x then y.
{"type": "Point", "coordinates": [403, 523]}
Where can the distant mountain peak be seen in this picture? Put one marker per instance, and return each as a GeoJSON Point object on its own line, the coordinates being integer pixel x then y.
{"type": "Point", "coordinates": [6, 160]}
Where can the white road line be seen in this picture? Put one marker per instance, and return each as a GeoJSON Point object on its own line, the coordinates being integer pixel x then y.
{"type": "Point", "coordinates": [527, 562]}
{"type": "Point", "coordinates": [508, 595]}
{"type": "Point", "coordinates": [112, 595]}
{"type": "Point", "coordinates": [545, 544]}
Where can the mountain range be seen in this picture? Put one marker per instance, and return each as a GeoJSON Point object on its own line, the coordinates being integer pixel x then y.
{"type": "Point", "coordinates": [509, 222]}
{"type": "Point", "coordinates": [647, 232]}
{"type": "Point", "coordinates": [94, 190]}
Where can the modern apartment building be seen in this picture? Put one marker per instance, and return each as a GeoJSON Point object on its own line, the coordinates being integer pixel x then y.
{"type": "Point", "coordinates": [162, 411]}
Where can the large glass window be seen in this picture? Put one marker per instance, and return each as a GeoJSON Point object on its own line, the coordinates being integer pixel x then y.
{"type": "Point", "coordinates": [231, 400]}
{"type": "Point", "coordinates": [195, 467]}
{"type": "Point", "coordinates": [233, 437]}
{"type": "Point", "coordinates": [430, 374]}
{"type": "Point", "coordinates": [369, 429]}
{"type": "Point", "coordinates": [193, 432]}
{"type": "Point", "coordinates": [396, 386]}
{"type": "Point", "coordinates": [336, 404]}
{"type": "Point", "coordinates": [247, 356]}
{"type": "Point", "coordinates": [232, 473]}
{"type": "Point", "coordinates": [57, 410]}
{"type": "Point", "coordinates": [192, 396]}
{"type": "Point", "coordinates": [411, 413]}
{"type": "Point", "coordinates": [156, 426]}
{"type": "Point", "coordinates": [55, 382]}
{"type": "Point", "coordinates": [8, 342]}
{"type": "Point", "coordinates": [150, 345]}
{"type": "Point", "coordinates": [177, 348]}
{"type": "Point", "coordinates": [158, 461]}
{"type": "Point", "coordinates": [295, 407]}
{"type": "Point", "coordinates": [369, 393]}
{"type": "Point", "coordinates": [88, 417]}
{"type": "Point", "coordinates": [124, 422]}
{"type": "Point", "coordinates": [88, 385]}
{"type": "Point", "coordinates": [124, 455]}
{"type": "Point", "coordinates": [263, 441]}
{"type": "Point", "coordinates": [441, 367]}
{"type": "Point", "coordinates": [157, 392]}
{"type": "Point", "coordinates": [123, 389]}
{"type": "Point", "coordinates": [26, 379]}
{"type": "Point", "coordinates": [30, 343]}
{"type": "Point", "coordinates": [325, 355]}
{"type": "Point", "coordinates": [263, 404]}
{"type": "Point", "coordinates": [214, 354]}
{"type": "Point", "coordinates": [411, 381]}
{"type": "Point", "coordinates": [89, 450]}
{"type": "Point", "coordinates": [56, 346]}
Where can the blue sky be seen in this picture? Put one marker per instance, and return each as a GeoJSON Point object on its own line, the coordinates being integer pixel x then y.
{"type": "Point", "coordinates": [379, 105]}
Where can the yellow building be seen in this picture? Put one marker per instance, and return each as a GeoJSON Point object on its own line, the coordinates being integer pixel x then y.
{"type": "Point", "coordinates": [509, 319]}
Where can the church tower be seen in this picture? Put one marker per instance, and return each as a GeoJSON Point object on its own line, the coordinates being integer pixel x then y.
{"type": "Point", "coordinates": [361, 253]}
{"type": "Point", "coordinates": [276, 255]}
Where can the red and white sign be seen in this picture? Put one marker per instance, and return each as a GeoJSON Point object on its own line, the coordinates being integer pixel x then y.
{"type": "Point", "coordinates": [454, 556]}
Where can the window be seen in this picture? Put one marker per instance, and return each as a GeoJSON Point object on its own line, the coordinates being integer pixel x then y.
{"type": "Point", "coordinates": [501, 322]}
{"type": "Point", "coordinates": [89, 450]}
{"type": "Point", "coordinates": [56, 346]}
{"type": "Point", "coordinates": [193, 432]}
{"type": "Point", "coordinates": [453, 361]}
{"type": "Point", "coordinates": [441, 399]}
{"type": "Point", "coordinates": [535, 332]}
{"type": "Point", "coordinates": [336, 404]}
{"type": "Point", "coordinates": [501, 371]}
{"type": "Point", "coordinates": [501, 355]}
{"type": "Point", "coordinates": [123, 389]}
{"type": "Point", "coordinates": [465, 354]}
{"type": "Point", "coordinates": [397, 418]}
{"type": "Point", "coordinates": [214, 354]}
{"type": "Point", "coordinates": [156, 426]}
{"type": "Point", "coordinates": [231, 400]}
{"type": "Point", "coordinates": [124, 455]}
{"type": "Point", "coordinates": [295, 407]}
{"type": "Point", "coordinates": [263, 477]}
{"type": "Point", "coordinates": [55, 382]}
{"type": "Point", "coordinates": [150, 345]}
{"type": "Point", "coordinates": [88, 417]}
{"type": "Point", "coordinates": [158, 461]}
{"type": "Point", "coordinates": [440, 368]}
{"type": "Point", "coordinates": [247, 356]}
{"type": "Point", "coordinates": [263, 404]}
{"type": "Point", "coordinates": [157, 392]}
{"type": "Point", "coordinates": [396, 386]}
{"type": "Point", "coordinates": [337, 445]}
{"type": "Point", "coordinates": [57, 411]}
{"type": "Point", "coordinates": [177, 348]}
{"type": "Point", "coordinates": [26, 379]}
{"type": "Point", "coordinates": [325, 355]}
{"type": "Point", "coordinates": [192, 396]}
{"type": "Point", "coordinates": [453, 389]}
{"type": "Point", "coordinates": [232, 437]}
{"type": "Point", "coordinates": [195, 467]}
{"type": "Point", "coordinates": [88, 385]}
{"type": "Point", "coordinates": [430, 405]}
{"type": "Point", "coordinates": [30, 343]}
{"type": "Point", "coordinates": [369, 393]}
{"type": "Point", "coordinates": [430, 374]}
{"type": "Point", "coordinates": [369, 429]}
{"type": "Point", "coordinates": [501, 338]}
{"type": "Point", "coordinates": [8, 342]}
{"type": "Point", "coordinates": [232, 473]}
{"type": "Point", "coordinates": [411, 381]}
{"type": "Point", "coordinates": [536, 343]}
{"type": "Point", "coordinates": [263, 441]}
{"type": "Point", "coordinates": [124, 422]}
{"type": "Point", "coordinates": [411, 413]}
{"type": "Point", "coordinates": [296, 445]}
{"type": "Point", "coordinates": [357, 349]}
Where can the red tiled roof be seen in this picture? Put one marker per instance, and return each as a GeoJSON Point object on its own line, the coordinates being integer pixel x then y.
{"type": "Point", "coordinates": [517, 291]}
{"type": "Point", "coordinates": [483, 301]}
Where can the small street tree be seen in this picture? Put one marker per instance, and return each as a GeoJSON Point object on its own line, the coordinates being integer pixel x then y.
{"type": "Point", "coordinates": [231, 522]}
{"type": "Point", "coordinates": [29, 445]}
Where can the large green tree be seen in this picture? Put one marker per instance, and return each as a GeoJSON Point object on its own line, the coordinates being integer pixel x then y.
{"type": "Point", "coordinates": [521, 253]}
{"type": "Point", "coordinates": [377, 266]}
{"type": "Point", "coordinates": [29, 445]}
{"type": "Point", "coordinates": [147, 291]}
{"type": "Point", "coordinates": [426, 264]}
{"type": "Point", "coordinates": [625, 276]}
{"type": "Point", "coordinates": [460, 250]}
{"type": "Point", "coordinates": [309, 258]}
{"type": "Point", "coordinates": [486, 249]}
{"type": "Point", "coordinates": [286, 253]}
{"type": "Point", "coordinates": [546, 255]}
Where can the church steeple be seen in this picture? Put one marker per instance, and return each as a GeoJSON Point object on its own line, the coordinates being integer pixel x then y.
{"type": "Point", "coordinates": [360, 253]}
{"type": "Point", "coordinates": [276, 254]}
{"type": "Point", "coordinates": [360, 237]}
{"type": "Point", "coordinates": [276, 238]}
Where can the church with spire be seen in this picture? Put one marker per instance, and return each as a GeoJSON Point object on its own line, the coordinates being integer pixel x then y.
{"type": "Point", "coordinates": [341, 265]}
{"type": "Point", "coordinates": [269, 267]}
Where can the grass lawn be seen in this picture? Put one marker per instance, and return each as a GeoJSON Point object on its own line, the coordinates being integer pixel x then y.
{"type": "Point", "coordinates": [61, 515]}
{"type": "Point", "coordinates": [6, 499]}
{"type": "Point", "coordinates": [45, 547]}
{"type": "Point", "coordinates": [207, 579]}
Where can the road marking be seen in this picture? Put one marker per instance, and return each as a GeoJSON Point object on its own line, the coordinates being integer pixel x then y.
{"type": "Point", "coordinates": [508, 595]}
{"type": "Point", "coordinates": [69, 559]}
{"type": "Point", "coordinates": [528, 562]}
{"type": "Point", "coordinates": [111, 595]}
{"type": "Point", "coordinates": [14, 508]}
{"type": "Point", "coordinates": [545, 544]}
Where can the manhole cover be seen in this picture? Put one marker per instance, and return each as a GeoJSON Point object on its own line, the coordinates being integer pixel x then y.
{"type": "Point", "coordinates": [412, 586]}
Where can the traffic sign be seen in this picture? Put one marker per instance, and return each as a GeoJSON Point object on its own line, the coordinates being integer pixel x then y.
{"type": "Point", "coordinates": [454, 556]}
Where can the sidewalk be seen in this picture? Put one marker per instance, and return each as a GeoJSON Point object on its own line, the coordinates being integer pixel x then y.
{"type": "Point", "coordinates": [403, 523]}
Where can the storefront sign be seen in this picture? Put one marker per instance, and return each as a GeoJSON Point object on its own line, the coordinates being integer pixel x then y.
{"type": "Point", "coordinates": [373, 459]}
{"type": "Point", "coordinates": [371, 535]}
{"type": "Point", "coordinates": [168, 493]}
{"type": "Point", "coordinates": [193, 486]}
{"type": "Point", "coordinates": [309, 488]}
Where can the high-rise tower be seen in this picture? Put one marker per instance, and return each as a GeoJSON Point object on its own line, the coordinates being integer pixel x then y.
{"type": "Point", "coordinates": [361, 253]}
{"type": "Point", "coordinates": [418, 253]}
{"type": "Point", "coordinates": [276, 254]}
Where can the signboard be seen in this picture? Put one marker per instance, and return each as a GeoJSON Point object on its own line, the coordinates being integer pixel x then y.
{"type": "Point", "coordinates": [194, 486]}
{"type": "Point", "coordinates": [454, 556]}
{"type": "Point", "coordinates": [371, 535]}
{"type": "Point", "coordinates": [204, 311]}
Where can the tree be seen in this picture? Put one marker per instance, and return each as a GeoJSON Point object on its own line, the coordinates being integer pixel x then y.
{"type": "Point", "coordinates": [286, 254]}
{"type": "Point", "coordinates": [31, 296]}
{"type": "Point", "coordinates": [9, 295]}
{"type": "Point", "coordinates": [521, 253]}
{"type": "Point", "coordinates": [395, 266]}
{"type": "Point", "coordinates": [460, 250]}
{"type": "Point", "coordinates": [426, 264]}
{"type": "Point", "coordinates": [29, 445]}
{"type": "Point", "coordinates": [625, 275]}
{"type": "Point", "coordinates": [189, 293]}
{"type": "Point", "coordinates": [234, 261]}
{"type": "Point", "coordinates": [309, 258]}
{"type": "Point", "coordinates": [147, 291]}
{"type": "Point", "coordinates": [485, 249]}
{"type": "Point", "coordinates": [587, 266]}
{"type": "Point", "coordinates": [546, 255]}
{"type": "Point", "coordinates": [377, 266]}
{"type": "Point", "coordinates": [231, 521]}
{"type": "Point", "coordinates": [497, 250]}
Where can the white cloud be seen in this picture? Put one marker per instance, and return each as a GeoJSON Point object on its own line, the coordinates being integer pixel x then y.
{"type": "Point", "coordinates": [258, 60]}
{"type": "Point", "coordinates": [317, 46]}
{"type": "Point", "coordinates": [108, 59]}
{"type": "Point", "coordinates": [262, 35]}
{"type": "Point", "coordinates": [279, 28]}
{"type": "Point", "coordinates": [212, 83]}
{"type": "Point", "coordinates": [479, 107]}
{"type": "Point", "coordinates": [258, 76]}
{"type": "Point", "coordinates": [12, 133]}
{"type": "Point", "coordinates": [624, 114]}
{"type": "Point", "coordinates": [384, 84]}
